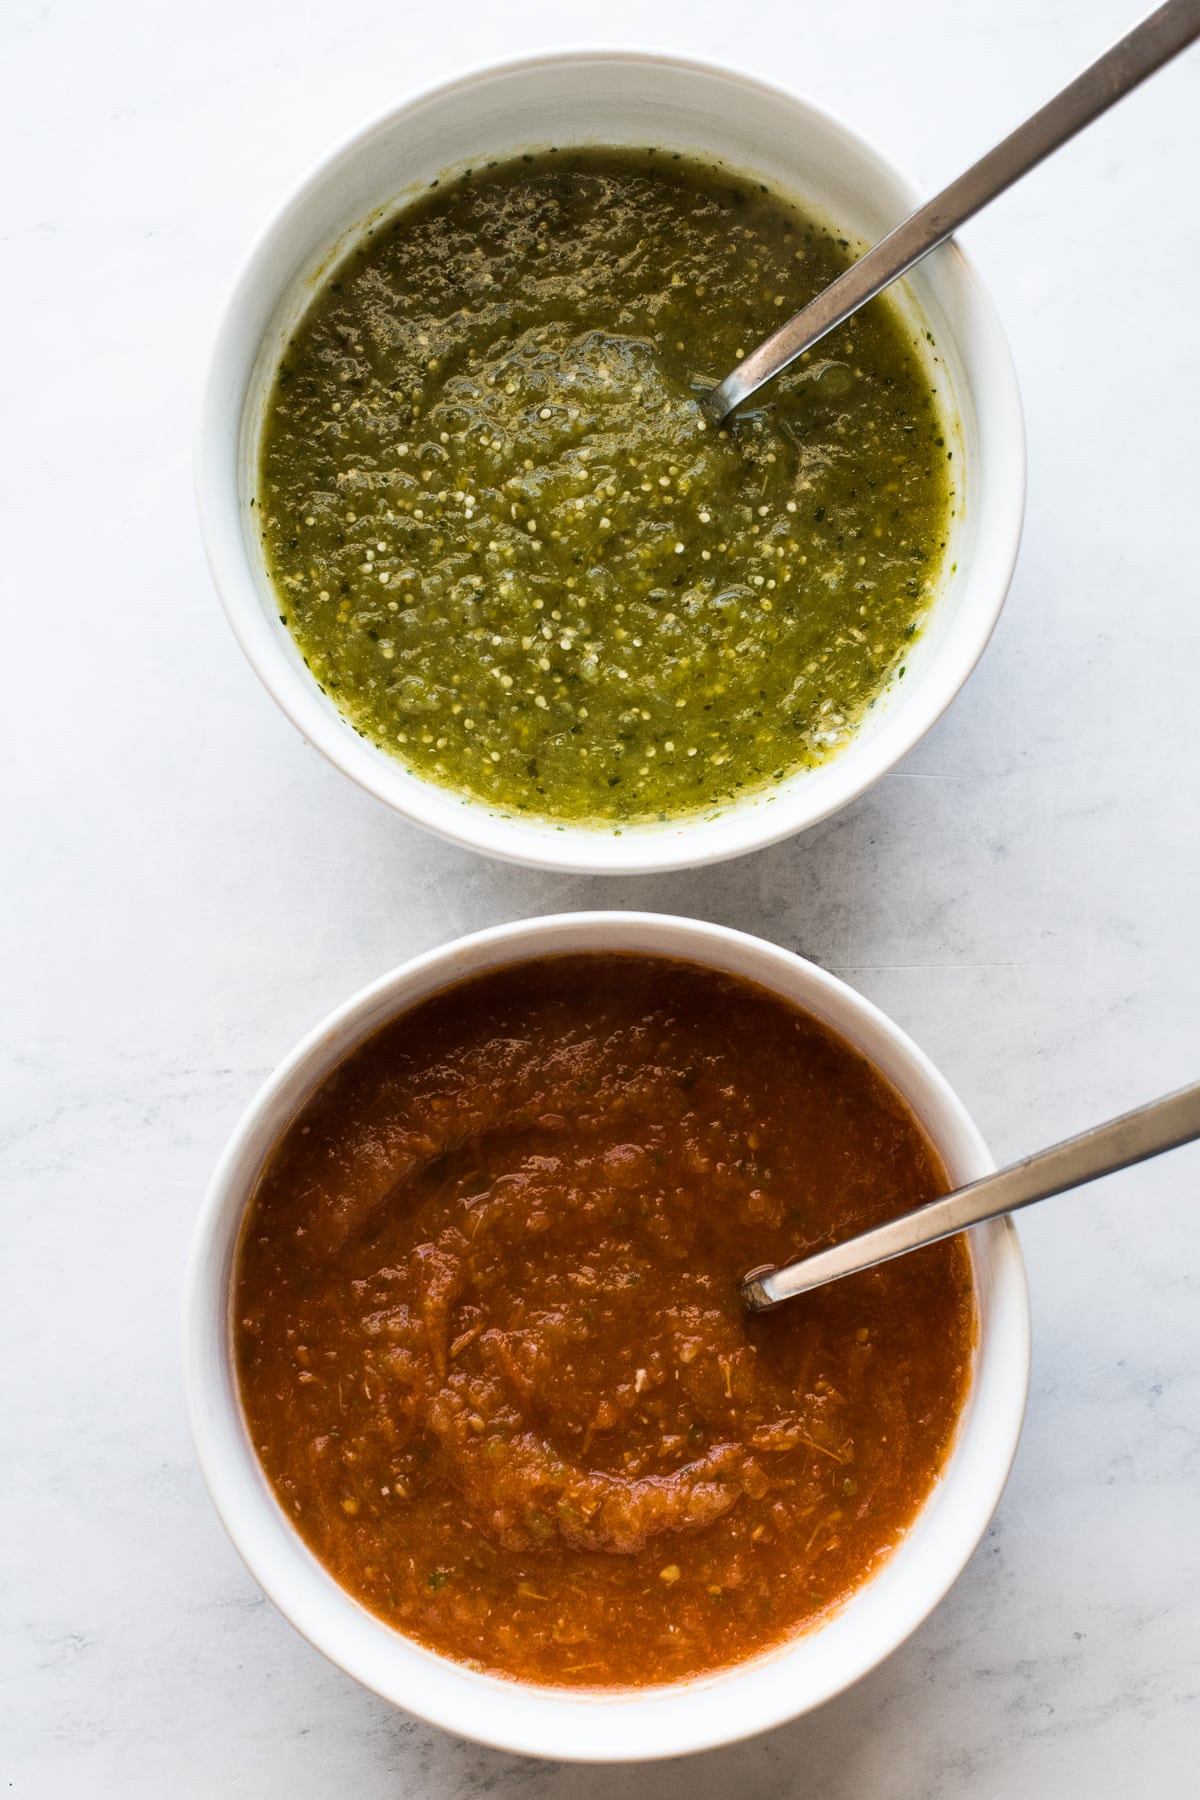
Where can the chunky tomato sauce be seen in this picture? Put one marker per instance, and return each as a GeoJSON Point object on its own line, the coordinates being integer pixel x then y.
{"type": "Point", "coordinates": [489, 1342]}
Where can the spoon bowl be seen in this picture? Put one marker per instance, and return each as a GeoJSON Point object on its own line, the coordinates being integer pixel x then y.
{"type": "Point", "coordinates": [1145, 49]}
{"type": "Point", "coordinates": [1119, 1143]}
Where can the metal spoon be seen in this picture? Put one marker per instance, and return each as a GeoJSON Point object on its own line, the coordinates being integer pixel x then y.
{"type": "Point", "coordinates": [1163, 1125]}
{"type": "Point", "coordinates": [1146, 48]}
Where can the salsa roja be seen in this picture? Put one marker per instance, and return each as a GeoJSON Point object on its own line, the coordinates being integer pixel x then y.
{"type": "Point", "coordinates": [489, 1342]}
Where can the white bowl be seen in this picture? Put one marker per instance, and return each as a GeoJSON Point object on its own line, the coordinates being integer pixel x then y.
{"type": "Point", "coordinates": [618, 97]}
{"type": "Point", "coordinates": [687, 1716]}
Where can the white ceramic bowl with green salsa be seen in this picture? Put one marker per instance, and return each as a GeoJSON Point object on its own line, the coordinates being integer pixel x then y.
{"type": "Point", "coordinates": [616, 98]}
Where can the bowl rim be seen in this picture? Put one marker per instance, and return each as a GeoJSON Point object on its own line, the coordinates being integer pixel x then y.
{"type": "Point", "coordinates": [569, 1725]}
{"type": "Point", "coordinates": [680, 843]}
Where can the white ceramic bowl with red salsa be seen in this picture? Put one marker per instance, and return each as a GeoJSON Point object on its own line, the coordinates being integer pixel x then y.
{"type": "Point", "coordinates": [628, 98]}
{"type": "Point", "coordinates": [622, 1725]}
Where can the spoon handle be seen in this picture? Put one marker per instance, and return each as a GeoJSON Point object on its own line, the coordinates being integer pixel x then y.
{"type": "Point", "coordinates": [1146, 48]}
{"type": "Point", "coordinates": [1163, 1125]}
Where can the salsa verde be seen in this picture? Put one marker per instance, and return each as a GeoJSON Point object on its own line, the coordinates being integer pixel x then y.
{"type": "Point", "coordinates": [506, 542]}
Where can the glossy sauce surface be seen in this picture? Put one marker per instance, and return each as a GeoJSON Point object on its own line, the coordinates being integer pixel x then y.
{"type": "Point", "coordinates": [507, 544]}
{"type": "Point", "coordinates": [490, 1348]}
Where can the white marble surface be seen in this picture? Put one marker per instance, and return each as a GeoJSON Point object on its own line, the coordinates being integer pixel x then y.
{"type": "Point", "coordinates": [187, 888]}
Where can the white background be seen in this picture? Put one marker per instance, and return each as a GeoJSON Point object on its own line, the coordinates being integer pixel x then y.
{"type": "Point", "coordinates": [187, 888]}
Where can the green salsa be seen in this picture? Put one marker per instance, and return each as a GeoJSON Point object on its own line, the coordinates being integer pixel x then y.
{"type": "Point", "coordinates": [508, 546]}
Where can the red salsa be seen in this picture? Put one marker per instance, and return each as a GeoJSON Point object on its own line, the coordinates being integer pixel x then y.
{"type": "Point", "coordinates": [490, 1346]}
